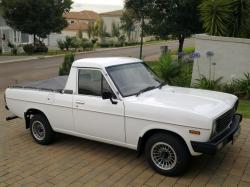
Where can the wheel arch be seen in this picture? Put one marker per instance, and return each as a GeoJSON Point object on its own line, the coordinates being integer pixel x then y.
{"type": "Point", "coordinates": [143, 138]}
{"type": "Point", "coordinates": [29, 113]}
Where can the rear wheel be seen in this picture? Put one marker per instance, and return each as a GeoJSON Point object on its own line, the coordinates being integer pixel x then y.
{"type": "Point", "coordinates": [41, 130]}
{"type": "Point", "coordinates": [167, 154]}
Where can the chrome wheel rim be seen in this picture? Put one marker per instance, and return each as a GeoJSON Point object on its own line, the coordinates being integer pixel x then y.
{"type": "Point", "coordinates": [163, 156]}
{"type": "Point", "coordinates": [38, 130]}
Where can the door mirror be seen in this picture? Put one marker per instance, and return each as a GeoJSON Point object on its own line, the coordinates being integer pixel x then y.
{"type": "Point", "coordinates": [109, 95]}
{"type": "Point", "coordinates": [106, 95]}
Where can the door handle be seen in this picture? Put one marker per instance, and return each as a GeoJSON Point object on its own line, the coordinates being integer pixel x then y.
{"type": "Point", "coordinates": [80, 102]}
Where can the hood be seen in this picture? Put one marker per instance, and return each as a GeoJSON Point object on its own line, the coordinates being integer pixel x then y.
{"type": "Point", "coordinates": [184, 103]}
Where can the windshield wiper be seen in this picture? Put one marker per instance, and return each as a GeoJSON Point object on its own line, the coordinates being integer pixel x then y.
{"type": "Point", "coordinates": [161, 85]}
{"type": "Point", "coordinates": [146, 89]}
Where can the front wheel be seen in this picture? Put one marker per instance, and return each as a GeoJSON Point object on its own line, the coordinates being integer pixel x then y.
{"type": "Point", "coordinates": [41, 130]}
{"type": "Point", "coordinates": [167, 154]}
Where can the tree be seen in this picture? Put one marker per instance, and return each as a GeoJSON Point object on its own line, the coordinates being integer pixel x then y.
{"type": "Point", "coordinates": [102, 28]}
{"type": "Point", "coordinates": [179, 18]}
{"type": "Point", "coordinates": [215, 14]}
{"type": "Point", "coordinates": [240, 22]}
{"type": "Point", "coordinates": [127, 21]}
{"type": "Point", "coordinates": [39, 18]}
{"type": "Point", "coordinates": [226, 17]}
{"type": "Point", "coordinates": [115, 30]}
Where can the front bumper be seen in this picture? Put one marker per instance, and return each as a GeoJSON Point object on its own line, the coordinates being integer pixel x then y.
{"type": "Point", "coordinates": [219, 141]}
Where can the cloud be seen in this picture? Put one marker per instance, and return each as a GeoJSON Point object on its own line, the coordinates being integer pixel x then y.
{"type": "Point", "coordinates": [78, 6]}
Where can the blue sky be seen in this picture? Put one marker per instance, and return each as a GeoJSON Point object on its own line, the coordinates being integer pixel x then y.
{"type": "Point", "coordinates": [97, 5]}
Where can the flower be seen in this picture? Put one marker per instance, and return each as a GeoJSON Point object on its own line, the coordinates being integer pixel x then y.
{"type": "Point", "coordinates": [210, 54]}
{"type": "Point", "coordinates": [181, 54]}
{"type": "Point", "coordinates": [195, 55]}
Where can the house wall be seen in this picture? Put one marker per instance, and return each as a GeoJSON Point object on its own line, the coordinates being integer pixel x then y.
{"type": "Point", "coordinates": [231, 55]}
{"type": "Point", "coordinates": [108, 20]}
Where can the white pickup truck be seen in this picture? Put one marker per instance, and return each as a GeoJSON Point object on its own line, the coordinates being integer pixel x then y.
{"type": "Point", "coordinates": [121, 101]}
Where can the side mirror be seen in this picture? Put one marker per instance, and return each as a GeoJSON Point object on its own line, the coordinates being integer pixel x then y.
{"type": "Point", "coordinates": [108, 95]}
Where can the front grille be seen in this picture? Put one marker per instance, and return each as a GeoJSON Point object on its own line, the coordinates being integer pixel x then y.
{"type": "Point", "coordinates": [223, 121]}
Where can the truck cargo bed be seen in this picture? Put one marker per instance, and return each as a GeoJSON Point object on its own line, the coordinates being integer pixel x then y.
{"type": "Point", "coordinates": [56, 84]}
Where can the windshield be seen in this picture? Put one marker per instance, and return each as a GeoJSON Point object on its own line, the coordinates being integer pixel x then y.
{"type": "Point", "coordinates": [132, 79]}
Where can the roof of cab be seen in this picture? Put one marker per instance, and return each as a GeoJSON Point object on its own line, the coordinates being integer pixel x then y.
{"type": "Point", "coordinates": [103, 62]}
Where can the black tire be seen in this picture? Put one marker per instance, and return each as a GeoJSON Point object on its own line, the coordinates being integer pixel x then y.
{"type": "Point", "coordinates": [37, 122]}
{"type": "Point", "coordinates": [177, 148]}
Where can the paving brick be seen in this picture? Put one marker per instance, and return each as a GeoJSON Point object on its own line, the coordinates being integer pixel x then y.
{"type": "Point", "coordinates": [72, 161]}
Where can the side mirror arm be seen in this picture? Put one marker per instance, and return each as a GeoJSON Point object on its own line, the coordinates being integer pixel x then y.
{"type": "Point", "coordinates": [113, 102]}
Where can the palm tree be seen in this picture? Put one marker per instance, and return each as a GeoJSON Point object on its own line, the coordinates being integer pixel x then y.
{"type": "Point", "coordinates": [240, 22]}
{"type": "Point", "coordinates": [215, 15]}
{"type": "Point", "coordinates": [226, 17]}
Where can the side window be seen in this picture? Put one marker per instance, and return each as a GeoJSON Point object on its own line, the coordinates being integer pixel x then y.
{"type": "Point", "coordinates": [89, 82]}
{"type": "Point", "coordinates": [92, 82]}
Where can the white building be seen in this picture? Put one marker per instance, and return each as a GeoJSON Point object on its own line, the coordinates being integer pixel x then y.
{"type": "Point", "coordinates": [115, 17]}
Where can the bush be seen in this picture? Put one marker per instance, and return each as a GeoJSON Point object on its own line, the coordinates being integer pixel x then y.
{"type": "Point", "coordinates": [37, 48]}
{"type": "Point", "coordinates": [118, 44]}
{"type": "Point", "coordinates": [66, 66]}
{"type": "Point", "coordinates": [105, 44]}
{"type": "Point", "coordinates": [122, 39]}
{"type": "Point", "coordinates": [61, 44]}
{"type": "Point", "coordinates": [204, 83]}
{"type": "Point", "coordinates": [167, 68]}
{"type": "Point", "coordinates": [29, 49]}
{"type": "Point", "coordinates": [87, 45]}
{"type": "Point", "coordinates": [40, 48]}
{"type": "Point", "coordinates": [68, 42]}
{"type": "Point", "coordinates": [132, 43]}
{"type": "Point", "coordinates": [239, 87]}
{"type": "Point", "coordinates": [76, 43]}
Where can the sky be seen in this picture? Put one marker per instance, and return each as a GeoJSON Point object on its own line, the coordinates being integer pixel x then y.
{"type": "Point", "coordinates": [97, 5]}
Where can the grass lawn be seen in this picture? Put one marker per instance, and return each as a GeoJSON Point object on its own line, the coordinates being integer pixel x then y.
{"type": "Point", "coordinates": [244, 108]}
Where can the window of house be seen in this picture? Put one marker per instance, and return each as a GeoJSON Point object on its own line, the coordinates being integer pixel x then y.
{"type": "Point", "coordinates": [92, 82]}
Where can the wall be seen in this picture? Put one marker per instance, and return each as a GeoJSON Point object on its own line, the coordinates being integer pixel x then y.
{"type": "Point", "coordinates": [231, 55]}
{"type": "Point", "coordinates": [108, 20]}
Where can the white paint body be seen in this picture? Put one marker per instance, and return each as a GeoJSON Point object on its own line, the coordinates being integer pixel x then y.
{"type": "Point", "coordinates": [174, 109]}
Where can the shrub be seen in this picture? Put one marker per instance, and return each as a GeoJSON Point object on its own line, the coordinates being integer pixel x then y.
{"type": "Point", "coordinates": [167, 68]}
{"type": "Point", "coordinates": [122, 39]}
{"type": "Point", "coordinates": [61, 44]}
{"type": "Point", "coordinates": [104, 44]}
{"type": "Point", "coordinates": [40, 48]}
{"type": "Point", "coordinates": [87, 45]}
{"type": "Point", "coordinates": [132, 43]}
{"type": "Point", "coordinates": [29, 49]}
{"type": "Point", "coordinates": [240, 87]}
{"type": "Point", "coordinates": [66, 66]}
{"type": "Point", "coordinates": [68, 42]}
{"type": "Point", "coordinates": [118, 44]}
{"type": "Point", "coordinates": [76, 43]}
{"type": "Point", "coordinates": [204, 83]}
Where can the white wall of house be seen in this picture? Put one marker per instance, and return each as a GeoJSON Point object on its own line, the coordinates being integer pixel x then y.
{"type": "Point", "coordinates": [108, 20]}
{"type": "Point", "coordinates": [231, 55]}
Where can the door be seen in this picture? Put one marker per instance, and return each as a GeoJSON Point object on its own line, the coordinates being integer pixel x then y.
{"type": "Point", "coordinates": [94, 116]}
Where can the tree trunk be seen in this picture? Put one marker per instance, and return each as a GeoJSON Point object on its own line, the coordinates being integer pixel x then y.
{"type": "Point", "coordinates": [181, 39]}
{"type": "Point", "coordinates": [181, 43]}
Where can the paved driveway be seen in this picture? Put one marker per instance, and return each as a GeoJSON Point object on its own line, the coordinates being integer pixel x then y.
{"type": "Point", "coordinates": [73, 161]}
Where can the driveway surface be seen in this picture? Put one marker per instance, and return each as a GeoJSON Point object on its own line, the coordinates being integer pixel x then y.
{"type": "Point", "coordinates": [72, 161]}
{"type": "Point", "coordinates": [11, 73]}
